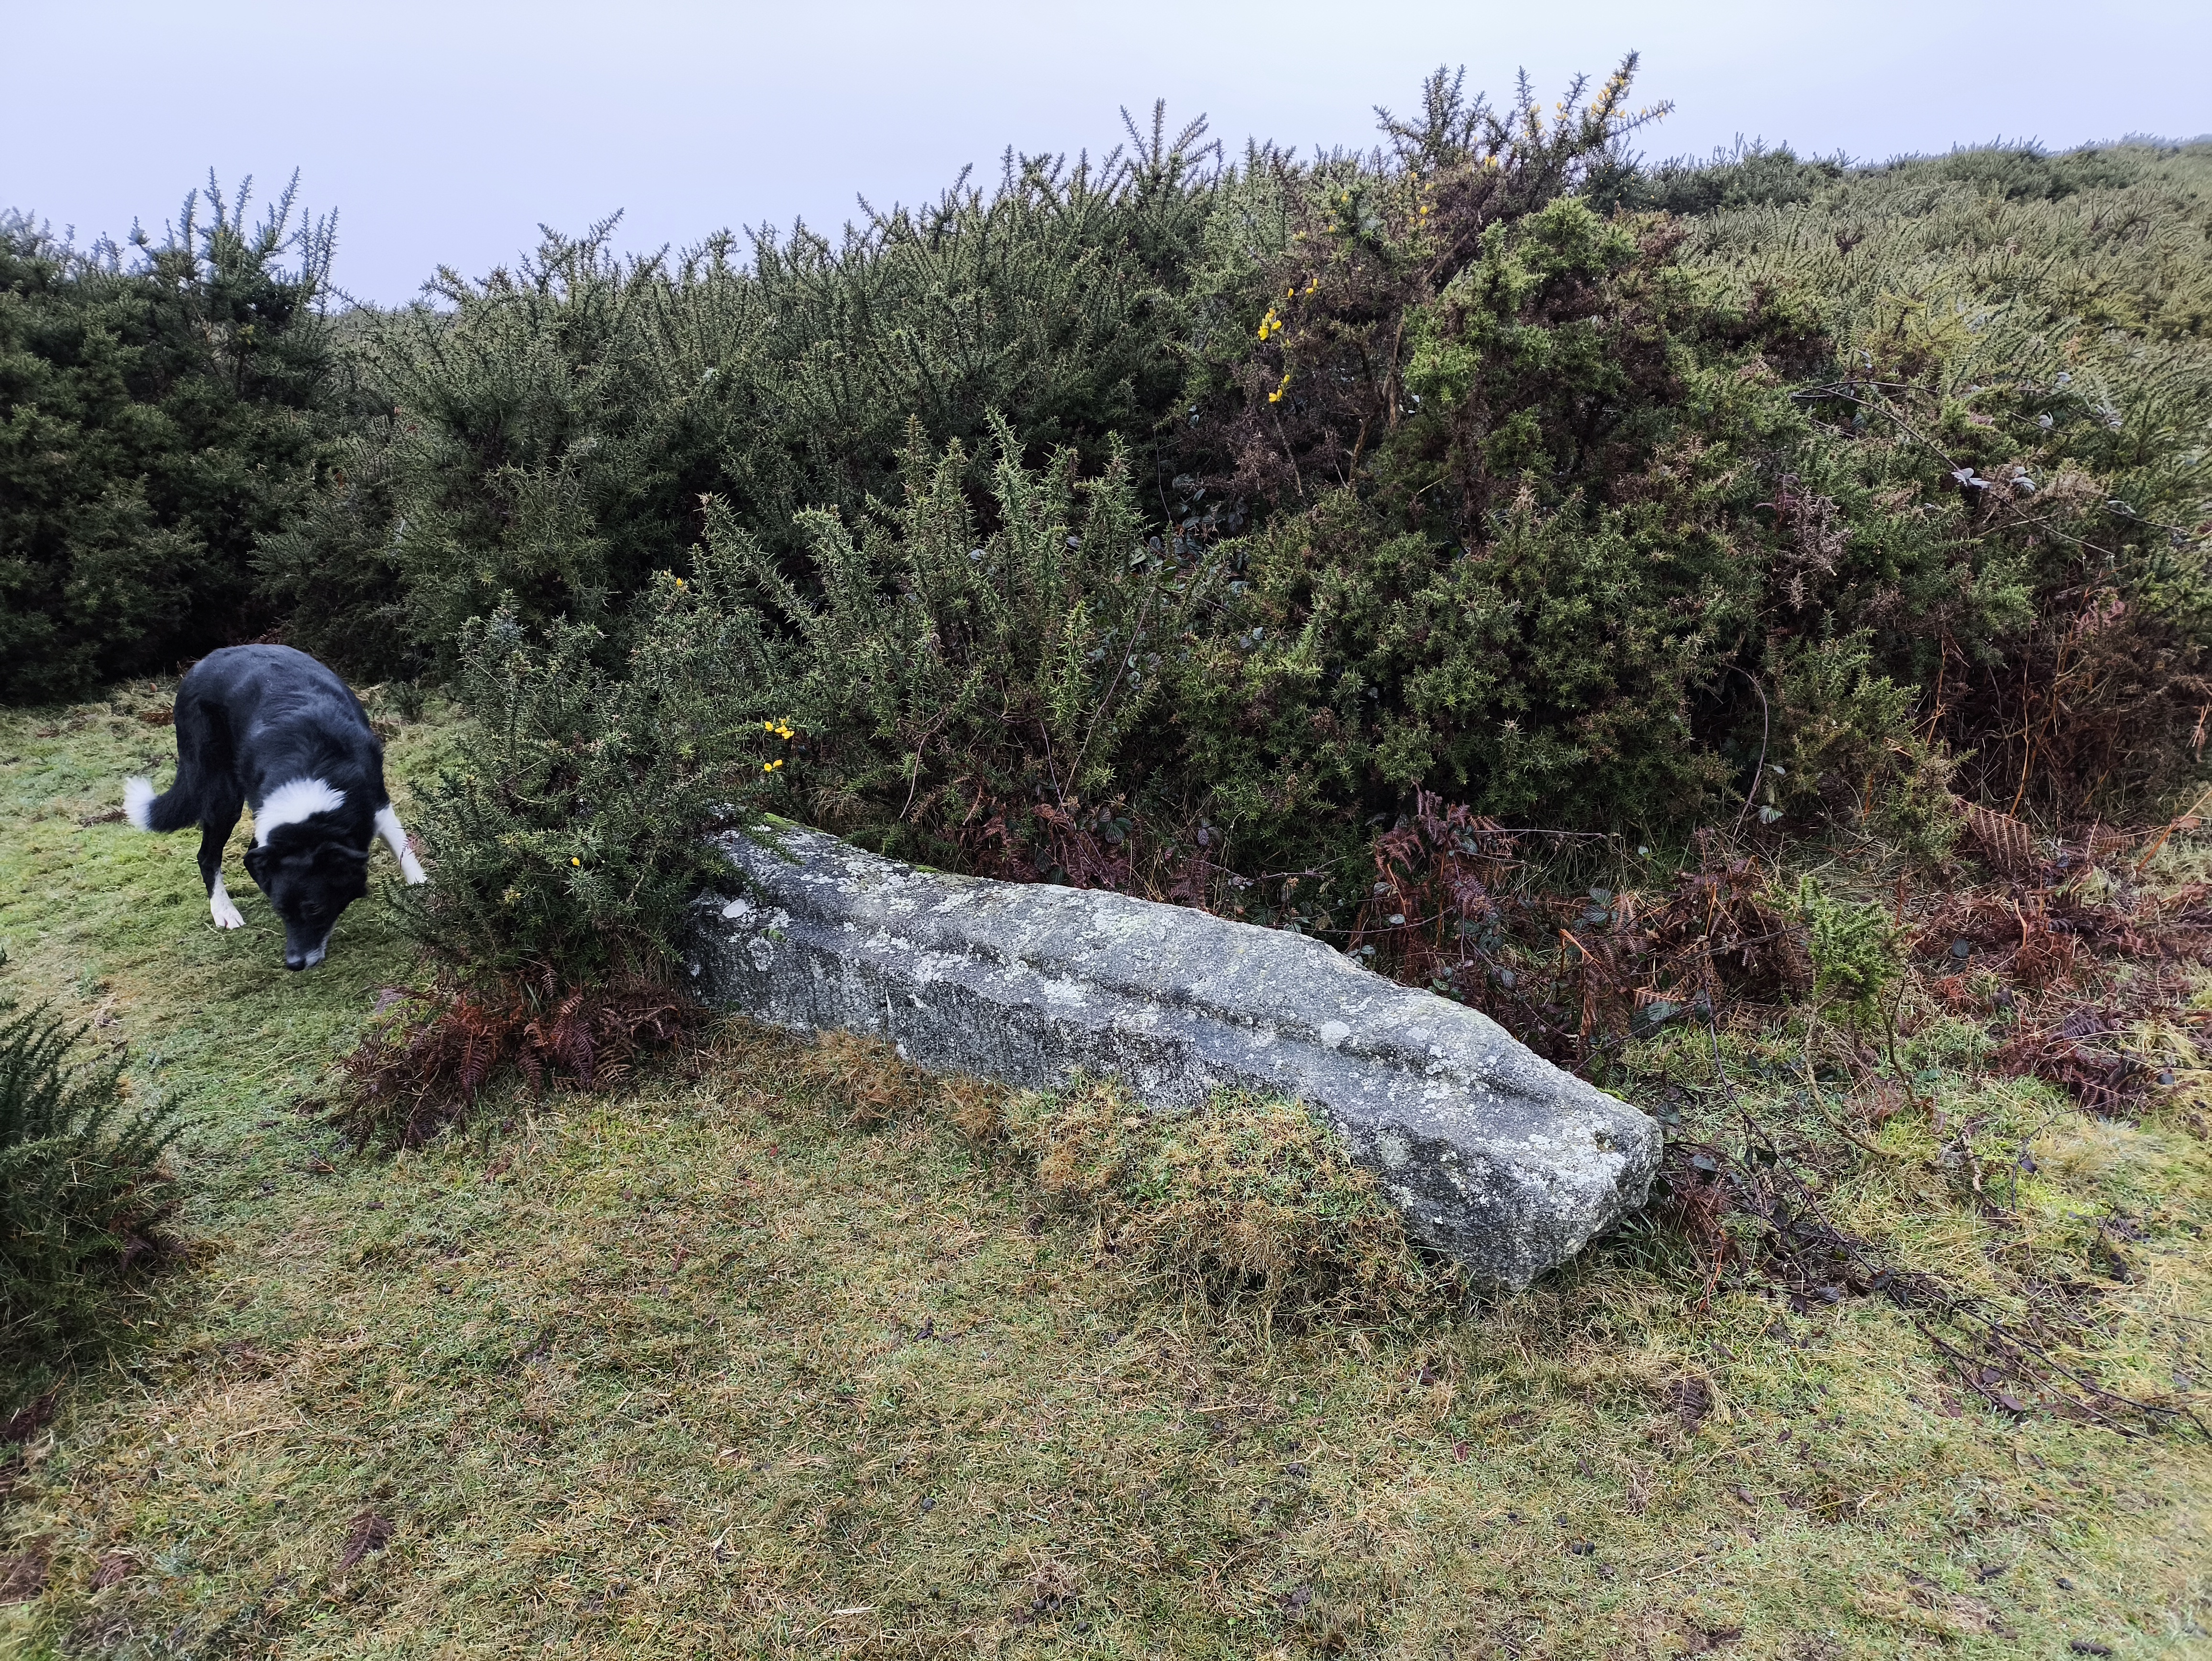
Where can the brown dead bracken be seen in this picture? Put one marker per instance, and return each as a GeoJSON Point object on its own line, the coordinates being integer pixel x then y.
{"type": "Point", "coordinates": [425, 1067]}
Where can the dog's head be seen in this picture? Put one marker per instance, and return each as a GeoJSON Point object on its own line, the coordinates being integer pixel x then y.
{"type": "Point", "coordinates": [310, 877]}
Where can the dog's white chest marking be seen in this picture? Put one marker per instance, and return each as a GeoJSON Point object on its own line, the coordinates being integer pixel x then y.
{"type": "Point", "coordinates": [219, 903]}
{"type": "Point", "coordinates": [387, 826]}
{"type": "Point", "coordinates": [288, 803]}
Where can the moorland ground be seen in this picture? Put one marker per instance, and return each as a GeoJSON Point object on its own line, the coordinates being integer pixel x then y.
{"type": "Point", "coordinates": [715, 1362]}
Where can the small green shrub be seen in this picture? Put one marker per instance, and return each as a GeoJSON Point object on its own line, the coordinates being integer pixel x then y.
{"type": "Point", "coordinates": [566, 853]}
{"type": "Point", "coordinates": [574, 839]}
{"type": "Point", "coordinates": [1856, 949]}
{"type": "Point", "coordinates": [1844, 745]}
{"type": "Point", "coordinates": [82, 1193]}
{"type": "Point", "coordinates": [1858, 956]}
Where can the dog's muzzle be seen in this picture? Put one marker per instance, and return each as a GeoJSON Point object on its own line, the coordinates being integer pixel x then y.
{"type": "Point", "coordinates": [296, 959]}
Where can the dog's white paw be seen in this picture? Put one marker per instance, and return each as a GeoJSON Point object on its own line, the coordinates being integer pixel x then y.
{"type": "Point", "coordinates": [225, 914]}
{"type": "Point", "coordinates": [411, 868]}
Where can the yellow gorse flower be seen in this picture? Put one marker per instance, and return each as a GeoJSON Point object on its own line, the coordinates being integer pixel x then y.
{"type": "Point", "coordinates": [1270, 324]}
{"type": "Point", "coordinates": [770, 766]}
{"type": "Point", "coordinates": [1276, 397]}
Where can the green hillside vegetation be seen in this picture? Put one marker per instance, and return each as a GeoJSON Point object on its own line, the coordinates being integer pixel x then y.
{"type": "Point", "coordinates": [1742, 623]}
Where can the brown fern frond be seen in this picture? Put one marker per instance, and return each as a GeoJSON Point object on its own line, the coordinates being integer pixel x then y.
{"type": "Point", "coordinates": [442, 1048]}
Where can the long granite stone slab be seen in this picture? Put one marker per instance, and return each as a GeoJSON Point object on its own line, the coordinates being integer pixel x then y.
{"type": "Point", "coordinates": [1496, 1156]}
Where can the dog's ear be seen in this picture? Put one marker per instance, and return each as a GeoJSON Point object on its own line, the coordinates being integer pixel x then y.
{"type": "Point", "coordinates": [346, 869]}
{"type": "Point", "coordinates": [257, 864]}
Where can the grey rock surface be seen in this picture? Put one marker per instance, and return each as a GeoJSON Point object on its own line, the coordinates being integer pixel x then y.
{"type": "Point", "coordinates": [1495, 1155]}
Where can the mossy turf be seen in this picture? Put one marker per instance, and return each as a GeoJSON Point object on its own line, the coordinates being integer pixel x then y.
{"type": "Point", "coordinates": [717, 1363]}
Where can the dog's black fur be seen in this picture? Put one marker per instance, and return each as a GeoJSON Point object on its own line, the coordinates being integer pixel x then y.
{"type": "Point", "coordinates": [271, 727]}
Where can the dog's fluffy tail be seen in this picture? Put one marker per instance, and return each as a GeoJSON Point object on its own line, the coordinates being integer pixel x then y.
{"type": "Point", "coordinates": [170, 812]}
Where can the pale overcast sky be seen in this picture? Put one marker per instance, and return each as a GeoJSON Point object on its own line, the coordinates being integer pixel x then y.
{"type": "Point", "coordinates": [447, 132]}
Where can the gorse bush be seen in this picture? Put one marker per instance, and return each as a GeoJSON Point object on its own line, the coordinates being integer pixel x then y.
{"type": "Point", "coordinates": [1554, 550]}
{"type": "Point", "coordinates": [574, 835]}
{"type": "Point", "coordinates": [1578, 492]}
{"type": "Point", "coordinates": [158, 416]}
{"type": "Point", "coordinates": [558, 422]}
{"type": "Point", "coordinates": [2010, 483]}
{"type": "Point", "coordinates": [567, 849]}
{"type": "Point", "coordinates": [1548, 524]}
{"type": "Point", "coordinates": [956, 686]}
{"type": "Point", "coordinates": [1742, 175]}
{"type": "Point", "coordinates": [82, 1194]}
{"type": "Point", "coordinates": [1003, 696]}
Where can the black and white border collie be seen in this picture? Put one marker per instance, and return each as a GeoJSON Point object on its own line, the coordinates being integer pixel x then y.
{"type": "Point", "coordinates": [271, 727]}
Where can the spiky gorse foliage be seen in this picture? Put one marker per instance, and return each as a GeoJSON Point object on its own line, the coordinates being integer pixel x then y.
{"type": "Point", "coordinates": [560, 421]}
{"type": "Point", "coordinates": [1578, 533]}
{"type": "Point", "coordinates": [570, 848]}
{"type": "Point", "coordinates": [1347, 249]}
{"type": "Point", "coordinates": [1535, 503]}
{"type": "Point", "coordinates": [82, 1193]}
{"type": "Point", "coordinates": [1476, 492]}
{"type": "Point", "coordinates": [1522, 494]}
{"type": "Point", "coordinates": [164, 410]}
{"type": "Point", "coordinates": [2011, 462]}
{"type": "Point", "coordinates": [575, 835]}
{"type": "Point", "coordinates": [970, 679]}
{"type": "Point", "coordinates": [1008, 697]}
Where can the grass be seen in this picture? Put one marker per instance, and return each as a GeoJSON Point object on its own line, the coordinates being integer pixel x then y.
{"type": "Point", "coordinates": [756, 1356]}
